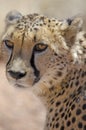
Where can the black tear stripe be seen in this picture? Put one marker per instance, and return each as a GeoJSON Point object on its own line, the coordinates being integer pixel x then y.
{"type": "Point", "coordinates": [10, 58]}
{"type": "Point", "coordinates": [36, 71]}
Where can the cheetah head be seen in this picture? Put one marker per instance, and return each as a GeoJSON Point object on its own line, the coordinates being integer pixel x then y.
{"type": "Point", "coordinates": [38, 49]}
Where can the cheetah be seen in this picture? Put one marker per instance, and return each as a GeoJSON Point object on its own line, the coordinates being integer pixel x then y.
{"type": "Point", "coordinates": [48, 56]}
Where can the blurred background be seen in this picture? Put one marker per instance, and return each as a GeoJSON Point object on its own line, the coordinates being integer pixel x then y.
{"type": "Point", "coordinates": [20, 109]}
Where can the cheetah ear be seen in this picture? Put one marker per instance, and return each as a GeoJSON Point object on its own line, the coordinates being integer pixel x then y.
{"type": "Point", "coordinates": [74, 26]}
{"type": "Point", "coordinates": [12, 17]}
{"type": "Point", "coordinates": [76, 22]}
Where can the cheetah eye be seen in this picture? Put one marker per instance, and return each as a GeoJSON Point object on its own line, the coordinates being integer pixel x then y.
{"type": "Point", "coordinates": [8, 44]}
{"type": "Point", "coordinates": [40, 47]}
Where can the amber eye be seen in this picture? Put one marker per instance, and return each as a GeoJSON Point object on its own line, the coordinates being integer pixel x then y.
{"type": "Point", "coordinates": [8, 44]}
{"type": "Point", "coordinates": [40, 47]}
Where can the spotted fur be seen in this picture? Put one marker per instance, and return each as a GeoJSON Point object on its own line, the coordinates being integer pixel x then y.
{"type": "Point", "coordinates": [48, 56]}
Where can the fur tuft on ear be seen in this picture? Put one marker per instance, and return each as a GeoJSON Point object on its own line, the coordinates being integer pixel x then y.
{"type": "Point", "coordinates": [12, 17]}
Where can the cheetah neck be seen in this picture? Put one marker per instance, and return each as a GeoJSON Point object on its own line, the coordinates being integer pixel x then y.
{"type": "Point", "coordinates": [69, 86]}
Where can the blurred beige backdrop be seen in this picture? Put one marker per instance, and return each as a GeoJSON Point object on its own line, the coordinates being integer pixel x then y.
{"type": "Point", "coordinates": [19, 108]}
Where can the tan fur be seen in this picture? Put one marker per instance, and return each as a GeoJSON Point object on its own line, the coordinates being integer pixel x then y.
{"type": "Point", "coordinates": [63, 60]}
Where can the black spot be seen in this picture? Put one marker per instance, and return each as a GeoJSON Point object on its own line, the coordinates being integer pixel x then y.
{"type": "Point", "coordinates": [66, 117]}
{"type": "Point", "coordinates": [80, 125]}
{"type": "Point", "coordinates": [62, 128]}
{"type": "Point", "coordinates": [80, 41]}
{"type": "Point", "coordinates": [69, 114]}
{"type": "Point", "coordinates": [83, 74]}
{"type": "Point", "coordinates": [62, 115]}
{"type": "Point", "coordinates": [55, 54]}
{"type": "Point", "coordinates": [50, 124]}
{"type": "Point", "coordinates": [58, 103]}
{"type": "Point", "coordinates": [40, 24]}
{"type": "Point", "coordinates": [52, 88]}
{"type": "Point", "coordinates": [53, 119]}
{"type": "Point", "coordinates": [71, 84]}
{"type": "Point", "coordinates": [84, 117]}
{"type": "Point", "coordinates": [59, 73]}
{"type": "Point", "coordinates": [66, 85]}
{"type": "Point", "coordinates": [34, 38]}
{"type": "Point", "coordinates": [56, 114]}
{"type": "Point", "coordinates": [73, 120]}
{"type": "Point", "coordinates": [56, 23]}
{"type": "Point", "coordinates": [85, 127]}
{"type": "Point", "coordinates": [78, 111]}
{"type": "Point", "coordinates": [49, 20]}
{"type": "Point", "coordinates": [51, 110]}
{"type": "Point", "coordinates": [35, 29]}
{"type": "Point", "coordinates": [84, 107]}
{"type": "Point", "coordinates": [57, 125]}
{"type": "Point", "coordinates": [65, 100]}
{"type": "Point", "coordinates": [61, 109]}
{"type": "Point", "coordinates": [79, 89]}
{"type": "Point", "coordinates": [57, 119]}
{"type": "Point", "coordinates": [68, 123]}
{"type": "Point", "coordinates": [72, 107]}
{"type": "Point", "coordinates": [77, 83]}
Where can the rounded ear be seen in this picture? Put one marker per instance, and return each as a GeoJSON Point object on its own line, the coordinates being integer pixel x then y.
{"type": "Point", "coordinates": [74, 25]}
{"type": "Point", "coordinates": [12, 17]}
{"type": "Point", "coordinates": [76, 22]}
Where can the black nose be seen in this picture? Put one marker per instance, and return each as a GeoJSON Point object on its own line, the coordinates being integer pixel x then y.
{"type": "Point", "coordinates": [17, 75]}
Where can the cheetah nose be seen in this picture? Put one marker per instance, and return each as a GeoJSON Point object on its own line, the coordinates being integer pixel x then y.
{"type": "Point", "coordinates": [16, 75]}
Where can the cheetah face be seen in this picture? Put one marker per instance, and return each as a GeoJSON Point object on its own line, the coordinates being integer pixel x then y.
{"type": "Point", "coordinates": [28, 55]}
{"type": "Point", "coordinates": [28, 60]}
{"type": "Point", "coordinates": [32, 44]}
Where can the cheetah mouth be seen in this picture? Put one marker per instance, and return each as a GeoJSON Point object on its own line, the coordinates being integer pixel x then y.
{"type": "Point", "coordinates": [21, 85]}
